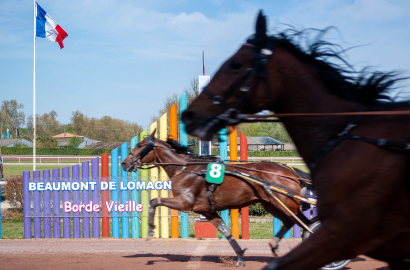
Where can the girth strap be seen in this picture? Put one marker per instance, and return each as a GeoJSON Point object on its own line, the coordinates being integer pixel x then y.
{"type": "Point", "coordinates": [379, 142]}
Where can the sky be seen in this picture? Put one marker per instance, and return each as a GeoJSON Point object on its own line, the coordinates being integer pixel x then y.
{"type": "Point", "coordinates": [123, 57]}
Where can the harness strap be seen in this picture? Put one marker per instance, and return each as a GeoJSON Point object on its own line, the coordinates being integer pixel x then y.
{"type": "Point", "coordinates": [379, 142]}
{"type": "Point", "coordinates": [333, 143]}
{"type": "Point", "coordinates": [211, 189]}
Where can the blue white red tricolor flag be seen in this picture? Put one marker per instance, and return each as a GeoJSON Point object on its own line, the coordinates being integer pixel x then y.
{"type": "Point", "coordinates": [47, 27]}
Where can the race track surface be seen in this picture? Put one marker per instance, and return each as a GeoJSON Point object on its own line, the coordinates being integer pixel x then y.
{"type": "Point", "coordinates": [141, 254]}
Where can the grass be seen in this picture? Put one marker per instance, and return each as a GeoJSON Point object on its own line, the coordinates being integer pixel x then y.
{"type": "Point", "coordinates": [15, 230]}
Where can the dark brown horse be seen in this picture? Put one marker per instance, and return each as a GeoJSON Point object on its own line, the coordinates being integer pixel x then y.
{"type": "Point", "coordinates": [190, 192]}
{"type": "Point", "coordinates": [359, 164]}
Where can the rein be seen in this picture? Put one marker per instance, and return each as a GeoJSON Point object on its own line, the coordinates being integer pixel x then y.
{"type": "Point", "coordinates": [227, 165]}
{"type": "Point", "coordinates": [151, 147]}
{"type": "Point", "coordinates": [264, 118]}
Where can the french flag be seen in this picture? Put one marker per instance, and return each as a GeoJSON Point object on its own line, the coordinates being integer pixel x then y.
{"type": "Point", "coordinates": [47, 27]}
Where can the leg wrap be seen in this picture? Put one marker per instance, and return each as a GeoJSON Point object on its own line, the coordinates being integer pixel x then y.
{"type": "Point", "coordinates": [224, 229]}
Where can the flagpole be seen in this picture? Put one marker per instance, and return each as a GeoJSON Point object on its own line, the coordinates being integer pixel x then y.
{"type": "Point", "coordinates": [34, 91]}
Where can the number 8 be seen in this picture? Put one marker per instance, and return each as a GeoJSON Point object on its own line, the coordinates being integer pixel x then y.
{"type": "Point", "coordinates": [215, 171]}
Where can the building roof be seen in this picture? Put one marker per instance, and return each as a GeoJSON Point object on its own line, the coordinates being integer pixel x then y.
{"type": "Point", "coordinates": [256, 141]}
{"type": "Point", "coordinates": [7, 142]}
{"type": "Point", "coordinates": [105, 145]}
{"type": "Point", "coordinates": [263, 140]}
{"type": "Point", "coordinates": [65, 135]}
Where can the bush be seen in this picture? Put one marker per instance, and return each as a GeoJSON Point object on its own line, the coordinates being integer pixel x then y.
{"type": "Point", "coordinates": [61, 151]}
{"type": "Point", "coordinates": [12, 215]}
{"type": "Point", "coordinates": [257, 210]}
{"type": "Point", "coordinates": [14, 191]}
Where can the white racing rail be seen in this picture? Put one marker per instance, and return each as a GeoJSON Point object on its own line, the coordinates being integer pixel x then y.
{"type": "Point", "coordinates": [79, 159]}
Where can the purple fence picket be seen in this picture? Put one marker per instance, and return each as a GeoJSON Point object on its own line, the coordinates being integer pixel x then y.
{"type": "Point", "coordinates": [37, 207]}
{"type": "Point", "coordinates": [46, 204]}
{"type": "Point", "coordinates": [296, 231]}
{"type": "Point", "coordinates": [27, 205]}
{"type": "Point", "coordinates": [86, 199]}
{"type": "Point", "coordinates": [66, 197]}
{"type": "Point", "coordinates": [75, 186]}
{"type": "Point", "coordinates": [96, 195]}
{"type": "Point", "coordinates": [56, 203]}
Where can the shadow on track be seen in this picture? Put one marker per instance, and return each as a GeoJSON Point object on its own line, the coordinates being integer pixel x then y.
{"type": "Point", "coordinates": [231, 260]}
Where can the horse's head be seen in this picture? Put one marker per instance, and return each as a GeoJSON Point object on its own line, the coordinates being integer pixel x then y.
{"type": "Point", "coordinates": [239, 86]}
{"type": "Point", "coordinates": [142, 153]}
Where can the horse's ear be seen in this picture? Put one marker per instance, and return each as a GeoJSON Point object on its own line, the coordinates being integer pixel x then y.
{"type": "Point", "coordinates": [260, 30]}
{"type": "Point", "coordinates": [152, 136]}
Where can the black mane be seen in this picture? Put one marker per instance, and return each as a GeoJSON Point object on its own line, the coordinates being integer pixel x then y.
{"type": "Point", "coordinates": [179, 148]}
{"type": "Point", "coordinates": [368, 87]}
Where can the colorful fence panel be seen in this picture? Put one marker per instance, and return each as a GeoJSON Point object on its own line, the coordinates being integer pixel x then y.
{"type": "Point", "coordinates": [45, 208]}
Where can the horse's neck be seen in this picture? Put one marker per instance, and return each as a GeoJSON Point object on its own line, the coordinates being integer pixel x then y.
{"type": "Point", "coordinates": [305, 93]}
{"type": "Point", "coordinates": [168, 156]}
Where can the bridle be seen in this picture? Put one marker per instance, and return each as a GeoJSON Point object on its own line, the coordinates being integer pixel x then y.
{"type": "Point", "coordinates": [144, 153]}
{"type": "Point", "coordinates": [232, 116]}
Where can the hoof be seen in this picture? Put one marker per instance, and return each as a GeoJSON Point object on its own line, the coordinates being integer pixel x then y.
{"type": "Point", "coordinates": [240, 263]}
{"type": "Point", "coordinates": [271, 266]}
{"type": "Point", "coordinates": [150, 235]}
{"type": "Point", "coordinates": [274, 244]}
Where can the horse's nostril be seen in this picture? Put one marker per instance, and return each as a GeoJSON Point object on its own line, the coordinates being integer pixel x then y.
{"type": "Point", "coordinates": [188, 117]}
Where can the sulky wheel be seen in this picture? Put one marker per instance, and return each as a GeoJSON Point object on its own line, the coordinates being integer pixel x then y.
{"type": "Point", "coordinates": [331, 266]}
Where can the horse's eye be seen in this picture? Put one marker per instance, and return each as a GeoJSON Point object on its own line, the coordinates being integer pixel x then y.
{"type": "Point", "coordinates": [235, 65]}
{"type": "Point", "coordinates": [139, 145]}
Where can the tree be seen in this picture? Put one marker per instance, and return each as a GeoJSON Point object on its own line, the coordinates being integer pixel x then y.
{"type": "Point", "coordinates": [192, 92]}
{"type": "Point", "coordinates": [74, 142]}
{"type": "Point", "coordinates": [106, 128]}
{"type": "Point", "coordinates": [19, 144]}
{"type": "Point", "coordinates": [274, 130]}
{"type": "Point", "coordinates": [46, 124]}
{"type": "Point", "coordinates": [27, 137]}
{"type": "Point", "coordinates": [11, 115]}
{"type": "Point", "coordinates": [44, 141]}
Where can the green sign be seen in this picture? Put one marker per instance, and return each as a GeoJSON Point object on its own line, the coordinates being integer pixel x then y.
{"type": "Point", "coordinates": [215, 173]}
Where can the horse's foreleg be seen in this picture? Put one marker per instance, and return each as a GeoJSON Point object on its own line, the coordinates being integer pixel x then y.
{"type": "Point", "coordinates": [216, 220]}
{"type": "Point", "coordinates": [177, 203]}
{"type": "Point", "coordinates": [153, 204]}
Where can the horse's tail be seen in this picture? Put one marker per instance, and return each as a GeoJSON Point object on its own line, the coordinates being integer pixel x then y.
{"type": "Point", "coordinates": [303, 174]}
{"type": "Point", "coordinates": [298, 172]}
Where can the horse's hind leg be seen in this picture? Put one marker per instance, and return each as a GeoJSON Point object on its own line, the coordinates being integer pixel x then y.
{"type": "Point", "coordinates": [216, 220]}
{"type": "Point", "coordinates": [287, 224]}
{"type": "Point", "coordinates": [274, 243]}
